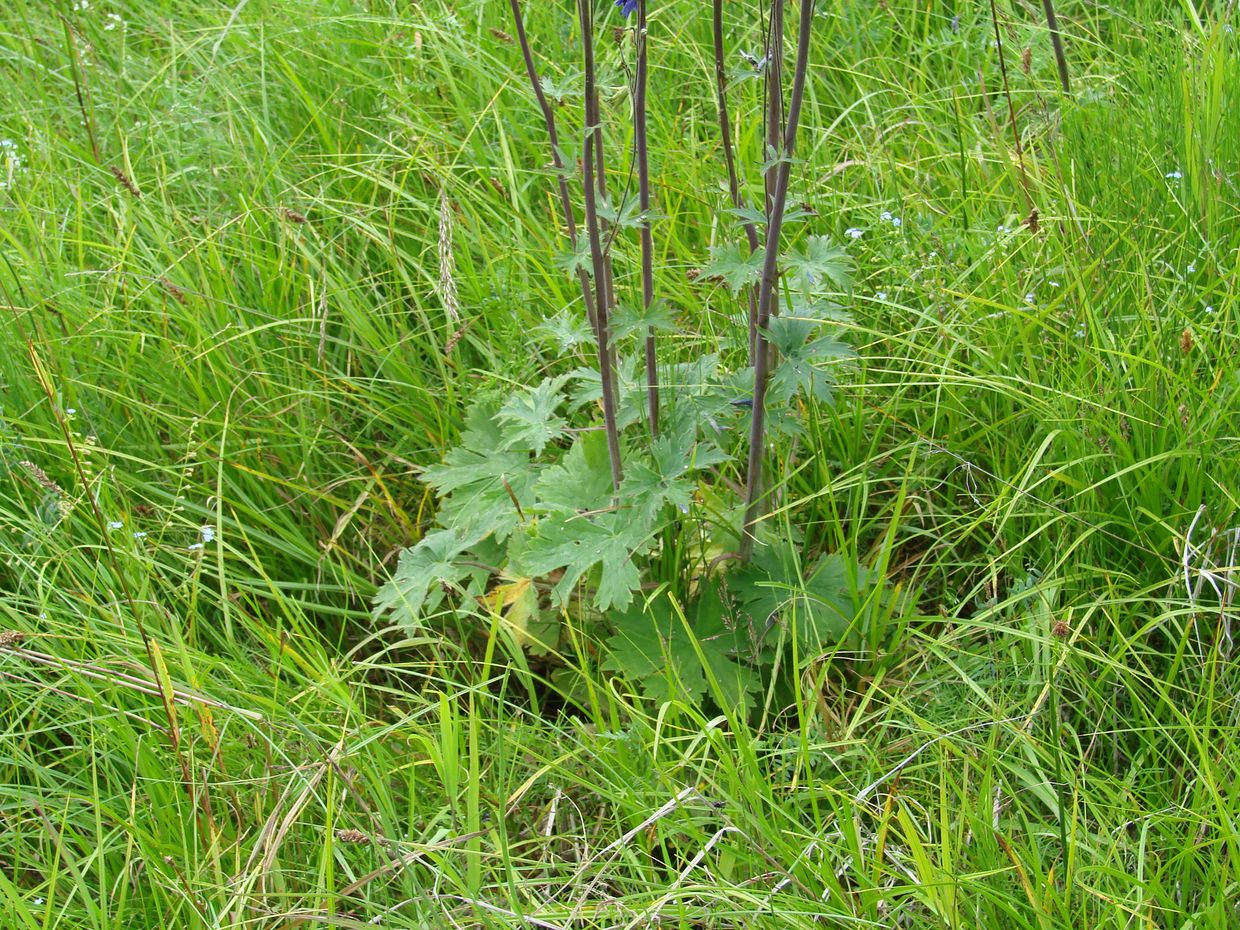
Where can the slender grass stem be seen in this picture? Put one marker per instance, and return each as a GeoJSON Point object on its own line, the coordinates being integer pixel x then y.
{"type": "Point", "coordinates": [766, 296]}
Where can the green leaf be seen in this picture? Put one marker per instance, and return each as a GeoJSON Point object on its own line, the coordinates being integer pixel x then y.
{"type": "Point", "coordinates": [588, 389]}
{"type": "Point", "coordinates": [627, 320]}
{"type": "Point", "coordinates": [821, 603]}
{"type": "Point", "coordinates": [648, 485]}
{"type": "Point", "coordinates": [628, 215]}
{"type": "Point", "coordinates": [775, 157]}
{"type": "Point", "coordinates": [650, 651]}
{"type": "Point", "coordinates": [567, 87]}
{"type": "Point", "coordinates": [748, 214]}
{"type": "Point", "coordinates": [577, 545]}
{"type": "Point", "coordinates": [580, 481]}
{"type": "Point", "coordinates": [801, 354]}
{"type": "Point", "coordinates": [737, 268]}
{"type": "Point", "coordinates": [819, 264]}
{"type": "Point", "coordinates": [529, 416]}
{"type": "Point", "coordinates": [472, 478]}
{"type": "Point", "coordinates": [566, 331]}
{"type": "Point", "coordinates": [577, 259]}
{"type": "Point", "coordinates": [653, 648]}
{"type": "Point", "coordinates": [417, 586]}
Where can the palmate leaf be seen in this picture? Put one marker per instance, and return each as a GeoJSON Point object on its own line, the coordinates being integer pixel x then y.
{"type": "Point", "coordinates": [735, 266]}
{"type": "Point", "coordinates": [416, 588]}
{"type": "Point", "coordinates": [561, 89]}
{"type": "Point", "coordinates": [628, 320]}
{"type": "Point", "coordinates": [577, 259]}
{"type": "Point", "coordinates": [529, 419]}
{"type": "Point", "coordinates": [627, 214]}
{"type": "Point", "coordinates": [475, 478]}
{"type": "Point", "coordinates": [802, 354]}
{"type": "Point", "coordinates": [821, 603]}
{"type": "Point", "coordinates": [602, 545]}
{"type": "Point", "coordinates": [654, 649]}
{"type": "Point", "coordinates": [580, 481]}
{"type": "Point", "coordinates": [665, 477]}
{"type": "Point", "coordinates": [819, 265]}
{"type": "Point", "coordinates": [588, 389]}
{"type": "Point", "coordinates": [565, 331]}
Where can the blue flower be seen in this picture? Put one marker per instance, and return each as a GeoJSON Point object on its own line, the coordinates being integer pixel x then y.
{"type": "Point", "coordinates": [627, 7]}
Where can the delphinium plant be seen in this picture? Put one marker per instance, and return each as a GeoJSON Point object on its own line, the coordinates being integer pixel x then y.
{"type": "Point", "coordinates": [650, 527]}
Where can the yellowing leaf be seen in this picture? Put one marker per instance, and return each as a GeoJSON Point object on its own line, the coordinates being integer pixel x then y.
{"type": "Point", "coordinates": [518, 601]}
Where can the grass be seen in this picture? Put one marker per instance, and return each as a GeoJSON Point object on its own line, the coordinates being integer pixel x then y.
{"type": "Point", "coordinates": [224, 357]}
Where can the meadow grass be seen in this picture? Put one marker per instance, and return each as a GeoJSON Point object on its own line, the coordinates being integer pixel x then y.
{"type": "Point", "coordinates": [226, 352]}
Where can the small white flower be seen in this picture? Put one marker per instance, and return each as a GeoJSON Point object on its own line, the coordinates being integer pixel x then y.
{"type": "Point", "coordinates": [854, 233]}
{"type": "Point", "coordinates": [1174, 175]}
{"type": "Point", "coordinates": [115, 524]}
{"type": "Point", "coordinates": [139, 535]}
{"type": "Point", "coordinates": [1209, 309]}
{"type": "Point", "coordinates": [43, 616]}
{"type": "Point", "coordinates": [897, 222]}
{"type": "Point", "coordinates": [71, 410]}
{"type": "Point", "coordinates": [208, 533]}
{"type": "Point", "coordinates": [1029, 299]}
{"type": "Point", "coordinates": [194, 547]}
{"type": "Point", "coordinates": [1192, 266]}
{"type": "Point", "coordinates": [885, 216]}
{"type": "Point", "coordinates": [1080, 331]}
{"type": "Point", "coordinates": [114, 20]}
{"type": "Point", "coordinates": [881, 295]}
{"type": "Point", "coordinates": [1053, 283]}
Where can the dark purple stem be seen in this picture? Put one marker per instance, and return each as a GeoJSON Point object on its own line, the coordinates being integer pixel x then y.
{"type": "Point", "coordinates": [1061, 60]}
{"type": "Point", "coordinates": [597, 259]}
{"type": "Point", "coordinates": [734, 184]}
{"type": "Point", "coordinates": [643, 195]}
{"type": "Point", "coordinates": [566, 203]}
{"type": "Point", "coordinates": [766, 295]}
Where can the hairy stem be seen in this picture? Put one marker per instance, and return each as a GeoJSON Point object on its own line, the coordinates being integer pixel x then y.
{"type": "Point", "coordinates": [766, 294]}
{"type": "Point", "coordinates": [602, 289]}
{"type": "Point", "coordinates": [734, 184]}
{"type": "Point", "coordinates": [566, 203]}
{"type": "Point", "coordinates": [643, 198]}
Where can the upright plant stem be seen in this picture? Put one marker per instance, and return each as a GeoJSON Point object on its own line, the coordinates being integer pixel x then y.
{"type": "Point", "coordinates": [774, 95]}
{"type": "Point", "coordinates": [643, 196]}
{"type": "Point", "coordinates": [605, 231]}
{"type": "Point", "coordinates": [734, 185]}
{"type": "Point", "coordinates": [1007, 93]}
{"type": "Point", "coordinates": [566, 203]}
{"type": "Point", "coordinates": [602, 291]}
{"type": "Point", "coordinates": [774, 136]}
{"type": "Point", "coordinates": [1061, 60]}
{"type": "Point", "coordinates": [774, 228]}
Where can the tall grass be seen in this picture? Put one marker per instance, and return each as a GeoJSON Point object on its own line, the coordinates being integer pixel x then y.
{"type": "Point", "coordinates": [224, 329]}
